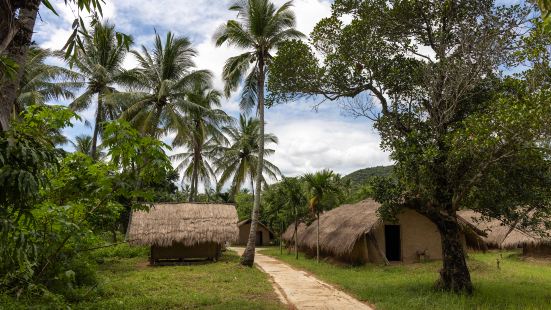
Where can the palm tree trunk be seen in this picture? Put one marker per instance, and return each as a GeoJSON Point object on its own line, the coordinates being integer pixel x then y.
{"type": "Point", "coordinates": [252, 185]}
{"type": "Point", "coordinates": [195, 174]}
{"type": "Point", "coordinates": [280, 240]}
{"type": "Point", "coordinates": [17, 51]}
{"type": "Point", "coordinates": [318, 239]}
{"type": "Point", "coordinates": [96, 127]}
{"type": "Point", "coordinates": [248, 255]}
{"type": "Point", "coordinates": [296, 237]}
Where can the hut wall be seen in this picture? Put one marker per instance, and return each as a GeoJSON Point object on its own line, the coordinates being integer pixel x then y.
{"type": "Point", "coordinates": [417, 234]}
{"type": "Point", "coordinates": [244, 234]}
{"type": "Point", "coordinates": [180, 251]}
{"type": "Point", "coordinates": [537, 250]}
{"type": "Point", "coordinates": [359, 254]}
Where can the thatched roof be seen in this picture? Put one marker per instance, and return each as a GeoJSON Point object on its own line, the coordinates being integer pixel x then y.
{"type": "Point", "coordinates": [289, 234]}
{"type": "Point", "coordinates": [341, 227]}
{"type": "Point", "coordinates": [499, 234]}
{"type": "Point", "coordinates": [187, 223]}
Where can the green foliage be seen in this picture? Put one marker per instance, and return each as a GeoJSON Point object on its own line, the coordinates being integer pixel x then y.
{"type": "Point", "coordinates": [42, 82]}
{"type": "Point", "coordinates": [285, 203]}
{"type": "Point", "coordinates": [142, 159]}
{"type": "Point", "coordinates": [157, 100]}
{"type": "Point", "coordinates": [119, 251]}
{"type": "Point", "coordinates": [244, 205]}
{"type": "Point", "coordinates": [545, 8]}
{"type": "Point", "coordinates": [99, 59]}
{"type": "Point", "coordinates": [238, 160]}
{"type": "Point", "coordinates": [292, 53]}
{"type": "Point", "coordinates": [27, 152]}
{"type": "Point", "coordinates": [201, 137]}
{"type": "Point", "coordinates": [323, 190]}
{"type": "Point", "coordinates": [49, 217]}
{"type": "Point", "coordinates": [259, 28]}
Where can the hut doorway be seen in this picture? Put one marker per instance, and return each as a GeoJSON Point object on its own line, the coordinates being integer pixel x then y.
{"type": "Point", "coordinates": [258, 240]}
{"type": "Point", "coordinates": [393, 243]}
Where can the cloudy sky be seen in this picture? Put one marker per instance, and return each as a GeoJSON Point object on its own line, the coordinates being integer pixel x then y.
{"type": "Point", "coordinates": [309, 140]}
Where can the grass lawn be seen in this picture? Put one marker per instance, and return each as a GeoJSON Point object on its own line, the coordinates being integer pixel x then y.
{"type": "Point", "coordinates": [131, 284]}
{"type": "Point", "coordinates": [517, 285]}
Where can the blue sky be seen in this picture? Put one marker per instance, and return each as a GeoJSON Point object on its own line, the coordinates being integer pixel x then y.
{"type": "Point", "coordinates": [309, 140]}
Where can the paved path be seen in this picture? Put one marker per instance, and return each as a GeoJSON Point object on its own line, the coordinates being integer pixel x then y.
{"type": "Point", "coordinates": [302, 290]}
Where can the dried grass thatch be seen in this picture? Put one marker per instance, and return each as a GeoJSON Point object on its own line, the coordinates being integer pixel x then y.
{"type": "Point", "coordinates": [498, 234]}
{"type": "Point", "coordinates": [289, 234]}
{"type": "Point", "coordinates": [186, 223]}
{"type": "Point", "coordinates": [341, 227]}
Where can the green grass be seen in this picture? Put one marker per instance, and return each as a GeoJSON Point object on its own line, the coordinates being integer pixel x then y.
{"type": "Point", "coordinates": [129, 283]}
{"type": "Point", "coordinates": [517, 285]}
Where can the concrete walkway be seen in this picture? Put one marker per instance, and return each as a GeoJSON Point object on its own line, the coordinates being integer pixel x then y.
{"type": "Point", "coordinates": [301, 290]}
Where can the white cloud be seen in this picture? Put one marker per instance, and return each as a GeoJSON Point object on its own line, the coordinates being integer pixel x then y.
{"type": "Point", "coordinates": [312, 144]}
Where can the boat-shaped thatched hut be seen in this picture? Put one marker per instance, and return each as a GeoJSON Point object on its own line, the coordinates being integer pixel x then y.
{"type": "Point", "coordinates": [355, 233]}
{"type": "Point", "coordinates": [499, 235]}
{"type": "Point", "coordinates": [289, 235]}
{"type": "Point", "coordinates": [183, 230]}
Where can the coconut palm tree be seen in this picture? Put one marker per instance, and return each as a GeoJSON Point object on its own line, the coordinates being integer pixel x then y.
{"type": "Point", "coordinates": [238, 160]}
{"type": "Point", "coordinates": [83, 144]}
{"type": "Point", "coordinates": [100, 61]}
{"type": "Point", "coordinates": [43, 82]}
{"type": "Point", "coordinates": [323, 191]}
{"type": "Point", "coordinates": [259, 28]}
{"type": "Point", "coordinates": [157, 95]}
{"type": "Point", "coordinates": [202, 136]}
{"type": "Point", "coordinates": [295, 201]}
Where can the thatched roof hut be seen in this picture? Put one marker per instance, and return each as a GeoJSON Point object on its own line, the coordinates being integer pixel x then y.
{"type": "Point", "coordinates": [183, 230]}
{"type": "Point", "coordinates": [502, 236]}
{"type": "Point", "coordinates": [264, 235]}
{"type": "Point", "coordinates": [342, 227]}
{"type": "Point", "coordinates": [289, 234]}
{"type": "Point", "coordinates": [355, 233]}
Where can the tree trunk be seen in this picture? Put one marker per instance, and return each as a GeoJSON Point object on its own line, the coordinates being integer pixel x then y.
{"type": "Point", "coordinates": [296, 237]}
{"type": "Point", "coordinates": [252, 185]}
{"type": "Point", "coordinates": [280, 240]}
{"type": "Point", "coordinates": [248, 255]}
{"type": "Point", "coordinates": [318, 238]}
{"type": "Point", "coordinates": [99, 111]}
{"type": "Point", "coordinates": [17, 51]}
{"type": "Point", "coordinates": [454, 275]}
{"type": "Point", "coordinates": [194, 174]}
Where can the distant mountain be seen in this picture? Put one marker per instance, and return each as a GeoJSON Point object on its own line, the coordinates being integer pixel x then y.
{"type": "Point", "coordinates": [363, 175]}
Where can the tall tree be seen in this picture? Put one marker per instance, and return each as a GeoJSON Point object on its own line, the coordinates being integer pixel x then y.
{"type": "Point", "coordinates": [100, 62]}
{"type": "Point", "coordinates": [157, 98]}
{"type": "Point", "coordinates": [17, 22]}
{"type": "Point", "coordinates": [83, 144]}
{"type": "Point", "coordinates": [260, 28]}
{"type": "Point", "coordinates": [42, 82]}
{"type": "Point", "coordinates": [323, 191]}
{"type": "Point", "coordinates": [201, 137]}
{"type": "Point", "coordinates": [238, 160]}
{"type": "Point", "coordinates": [453, 124]}
{"type": "Point", "coordinates": [295, 201]}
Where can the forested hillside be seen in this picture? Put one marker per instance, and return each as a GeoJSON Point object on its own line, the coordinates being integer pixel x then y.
{"type": "Point", "coordinates": [363, 175]}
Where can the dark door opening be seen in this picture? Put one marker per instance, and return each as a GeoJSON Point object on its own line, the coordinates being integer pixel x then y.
{"type": "Point", "coordinates": [258, 238]}
{"type": "Point", "coordinates": [392, 243]}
